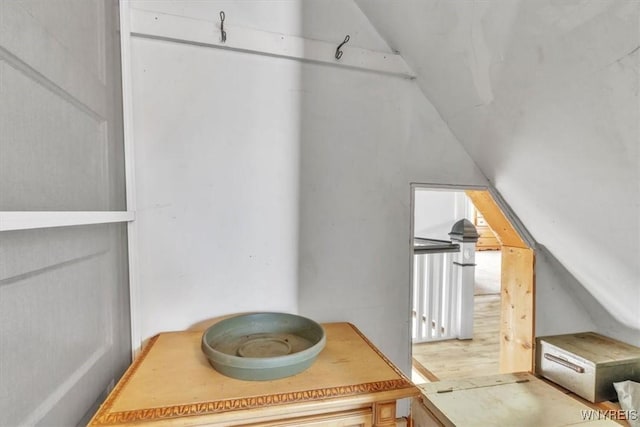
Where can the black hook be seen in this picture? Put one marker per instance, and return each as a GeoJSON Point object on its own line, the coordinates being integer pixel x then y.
{"type": "Point", "coordinates": [223, 33]}
{"type": "Point", "coordinates": [338, 51]}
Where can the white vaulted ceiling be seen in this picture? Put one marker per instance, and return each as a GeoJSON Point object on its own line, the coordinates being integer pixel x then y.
{"type": "Point", "coordinates": [543, 94]}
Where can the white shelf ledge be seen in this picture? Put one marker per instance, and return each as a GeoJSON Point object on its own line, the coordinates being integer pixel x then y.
{"type": "Point", "coordinates": [207, 33]}
{"type": "Point", "coordinates": [11, 221]}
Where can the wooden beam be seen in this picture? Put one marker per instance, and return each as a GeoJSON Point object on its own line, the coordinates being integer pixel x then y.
{"type": "Point", "coordinates": [207, 33]}
{"type": "Point", "coordinates": [427, 374]}
{"type": "Point", "coordinates": [493, 215]}
{"type": "Point", "coordinates": [517, 312]}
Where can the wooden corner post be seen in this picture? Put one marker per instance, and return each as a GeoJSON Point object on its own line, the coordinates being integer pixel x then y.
{"type": "Point", "coordinates": [517, 335]}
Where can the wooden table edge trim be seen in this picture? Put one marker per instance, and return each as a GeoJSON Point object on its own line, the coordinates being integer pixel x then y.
{"type": "Point", "coordinates": [379, 353]}
{"type": "Point", "coordinates": [403, 386]}
{"type": "Point", "coordinates": [108, 403]}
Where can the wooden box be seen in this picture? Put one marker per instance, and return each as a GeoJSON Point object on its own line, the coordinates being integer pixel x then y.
{"type": "Point", "coordinates": [518, 399]}
{"type": "Point", "coordinates": [587, 363]}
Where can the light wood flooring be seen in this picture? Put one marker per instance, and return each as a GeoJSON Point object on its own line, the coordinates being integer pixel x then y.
{"type": "Point", "coordinates": [454, 359]}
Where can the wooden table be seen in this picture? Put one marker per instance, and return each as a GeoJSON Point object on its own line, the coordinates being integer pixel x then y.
{"type": "Point", "coordinates": [172, 384]}
{"type": "Point", "coordinates": [518, 399]}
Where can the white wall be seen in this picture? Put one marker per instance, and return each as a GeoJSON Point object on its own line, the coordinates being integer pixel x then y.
{"type": "Point", "coordinates": [365, 139]}
{"type": "Point", "coordinates": [217, 158]}
{"type": "Point", "coordinates": [267, 184]}
{"type": "Point", "coordinates": [544, 96]}
{"type": "Point", "coordinates": [435, 212]}
{"type": "Point", "coordinates": [217, 137]}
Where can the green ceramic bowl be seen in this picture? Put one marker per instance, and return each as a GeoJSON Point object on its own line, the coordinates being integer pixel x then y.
{"type": "Point", "coordinates": [263, 346]}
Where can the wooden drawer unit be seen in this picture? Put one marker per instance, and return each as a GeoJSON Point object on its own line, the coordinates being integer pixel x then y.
{"type": "Point", "coordinates": [351, 384]}
{"type": "Point", "coordinates": [587, 363]}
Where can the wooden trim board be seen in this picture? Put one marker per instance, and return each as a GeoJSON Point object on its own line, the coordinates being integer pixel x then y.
{"type": "Point", "coordinates": [206, 33]}
{"type": "Point", "coordinates": [130, 182]}
{"type": "Point", "coordinates": [497, 220]}
{"type": "Point", "coordinates": [28, 220]}
{"type": "Point", "coordinates": [423, 371]}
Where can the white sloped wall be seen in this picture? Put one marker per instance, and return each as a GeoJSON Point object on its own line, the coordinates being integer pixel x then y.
{"type": "Point", "coordinates": [544, 97]}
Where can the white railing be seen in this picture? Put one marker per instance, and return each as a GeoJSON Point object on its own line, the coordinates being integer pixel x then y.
{"type": "Point", "coordinates": [434, 313]}
{"type": "Point", "coordinates": [443, 285]}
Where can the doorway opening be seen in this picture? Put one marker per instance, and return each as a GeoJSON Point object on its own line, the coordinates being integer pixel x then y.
{"type": "Point", "coordinates": [499, 289]}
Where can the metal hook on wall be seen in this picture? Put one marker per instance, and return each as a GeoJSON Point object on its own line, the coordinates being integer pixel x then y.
{"type": "Point", "coordinates": [338, 51]}
{"type": "Point", "coordinates": [223, 33]}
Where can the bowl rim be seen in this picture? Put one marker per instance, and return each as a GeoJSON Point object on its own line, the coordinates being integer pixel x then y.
{"type": "Point", "coordinates": [217, 357]}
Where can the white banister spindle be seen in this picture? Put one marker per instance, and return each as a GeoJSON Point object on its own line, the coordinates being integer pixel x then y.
{"type": "Point", "coordinates": [415, 303]}
{"type": "Point", "coordinates": [422, 296]}
{"type": "Point", "coordinates": [453, 295]}
{"type": "Point", "coordinates": [435, 296]}
{"type": "Point", "coordinates": [445, 325]}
